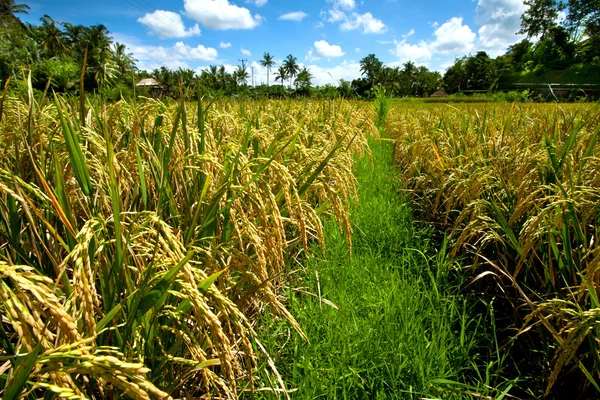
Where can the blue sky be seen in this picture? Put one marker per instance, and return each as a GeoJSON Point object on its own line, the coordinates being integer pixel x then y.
{"type": "Point", "coordinates": [328, 36]}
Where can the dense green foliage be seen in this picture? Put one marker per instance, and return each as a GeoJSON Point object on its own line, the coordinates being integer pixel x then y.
{"type": "Point", "coordinates": [562, 48]}
{"type": "Point", "coordinates": [56, 54]}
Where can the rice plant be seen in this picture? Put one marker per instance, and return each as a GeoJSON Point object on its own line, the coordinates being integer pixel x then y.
{"type": "Point", "coordinates": [140, 240]}
{"type": "Point", "coordinates": [518, 188]}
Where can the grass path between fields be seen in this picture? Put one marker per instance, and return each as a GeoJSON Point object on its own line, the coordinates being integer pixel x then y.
{"type": "Point", "coordinates": [400, 330]}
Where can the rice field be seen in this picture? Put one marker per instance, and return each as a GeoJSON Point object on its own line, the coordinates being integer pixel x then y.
{"type": "Point", "coordinates": [140, 241]}
{"type": "Point", "coordinates": [517, 189]}
{"type": "Point", "coordinates": [224, 249]}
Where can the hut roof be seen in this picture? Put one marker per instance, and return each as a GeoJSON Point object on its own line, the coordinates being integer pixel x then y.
{"type": "Point", "coordinates": [439, 93]}
{"type": "Point", "coordinates": [149, 82]}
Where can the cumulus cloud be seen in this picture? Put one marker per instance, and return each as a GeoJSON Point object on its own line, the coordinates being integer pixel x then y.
{"type": "Point", "coordinates": [246, 52]}
{"type": "Point", "coordinates": [311, 57]}
{"type": "Point", "coordinates": [343, 12]}
{"type": "Point", "coordinates": [167, 24]}
{"type": "Point", "coordinates": [221, 15]}
{"type": "Point", "coordinates": [225, 45]}
{"type": "Point", "coordinates": [257, 3]}
{"type": "Point", "coordinates": [500, 21]}
{"type": "Point", "coordinates": [418, 53]}
{"type": "Point", "coordinates": [293, 16]}
{"type": "Point", "coordinates": [452, 37]}
{"type": "Point", "coordinates": [344, 4]}
{"type": "Point", "coordinates": [332, 75]}
{"type": "Point", "coordinates": [173, 57]}
{"type": "Point", "coordinates": [336, 15]}
{"type": "Point", "coordinates": [327, 50]}
{"type": "Point", "coordinates": [368, 23]}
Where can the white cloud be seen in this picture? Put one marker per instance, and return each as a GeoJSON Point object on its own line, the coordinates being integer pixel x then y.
{"type": "Point", "coordinates": [336, 15]}
{"type": "Point", "coordinates": [169, 64]}
{"type": "Point", "coordinates": [344, 4]}
{"type": "Point", "coordinates": [173, 57]}
{"type": "Point", "coordinates": [346, 70]}
{"type": "Point", "coordinates": [357, 49]}
{"type": "Point", "coordinates": [293, 16]}
{"type": "Point", "coordinates": [500, 20]}
{"type": "Point", "coordinates": [311, 57]}
{"type": "Point", "coordinates": [246, 52]}
{"type": "Point", "coordinates": [412, 52]}
{"type": "Point", "coordinates": [327, 50]}
{"type": "Point", "coordinates": [409, 34]}
{"type": "Point", "coordinates": [167, 24]}
{"type": "Point", "coordinates": [342, 12]}
{"type": "Point", "coordinates": [221, 15]}
{"type": "Point", "coordinates": [225, 45]}
{"type": "Point", "coordinates": [319, 24]}
{"type": "Point", "coordinates": [368, 23]}
{"type": "Point", "coordinates": [257, 3]}
{"type": "Point", "coordinates": [453, 38]}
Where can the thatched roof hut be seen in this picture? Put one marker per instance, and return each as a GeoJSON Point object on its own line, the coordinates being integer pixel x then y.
{"type": "Point", "coordinates": [149, 83]}
{"type": "Point", "coordinates": [155, 89]}
{"type": "Point", "coordinates": [439, 93]}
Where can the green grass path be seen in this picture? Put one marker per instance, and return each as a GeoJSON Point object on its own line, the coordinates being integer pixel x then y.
{"type": "Point", "coordinates": [398, 329]}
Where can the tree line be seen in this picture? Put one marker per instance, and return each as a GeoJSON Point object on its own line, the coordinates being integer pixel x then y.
{"type": "Point", "coordinates": [55, 53]}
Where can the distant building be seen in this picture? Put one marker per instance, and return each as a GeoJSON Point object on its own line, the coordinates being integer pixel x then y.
{"type": "Point", "coordinates": [155, 88]}
{"type": "Point", "coordinates": [439, 93]}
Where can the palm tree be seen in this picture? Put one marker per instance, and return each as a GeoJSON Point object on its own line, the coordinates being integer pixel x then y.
{"type": "Point", "coordinates": [124, 61]}
{"type": "Point", "coordinates": [9, 7]}
{"type": "Point", "coordinates": [371, 67]}
{"type": "Point", "coordinates": [291, 67]}
{"type": "Point", "coordinates": [186, 80]}
{"type": "Point", "coordinates": [241, 75]}
{"type": "Point", "coordinates": [74, 35]}
{"type": "Point", "coordinates": [268, 62]}
{"type": "Point", "coordinates": [99, 60]}
{"type": "Point", "coordinates": [280, 74]}
{"type": "Point", "coordinates": [303, 80]}
{"type": "Point", "coordinates": [52, 37]}
{"type": "Point", "coordinates": [223, 76]}
{"type": "Point", "coordinates": [213, 76]}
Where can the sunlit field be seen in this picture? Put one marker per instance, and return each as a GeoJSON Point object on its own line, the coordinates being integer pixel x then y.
{"type": "Point", "coordinates": [140, 240]}
{"type": "Point", "coordinates": [516, 188]}
{"type": "Point", "coordinates": [297, 248]}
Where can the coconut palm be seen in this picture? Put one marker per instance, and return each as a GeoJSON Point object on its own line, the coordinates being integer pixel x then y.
{"type": "Point", "coordinates": [99, 59]}
{"type": "Point", "coordinates": [74, 35]}
{"type": "Point", "coordinates": [267, 62]}
{"type": "Point", "coordinates": [241, 74]}
{"type": "Point", "coordinates": [291, 67]}
{"type": "Point", "coordinates": [303, 80]}
{"type": "Point", "coordinates": [280, 74]}
{"type": "Point", "coordinates": [223, 76]}
{"type": "Point", "coordinates": [52, 37]}
{"type": "Point", "coordinates": [370, 66]}
{"type": "Point", "coordinates": [124, 61]}
{"type": "Point", "coordinates": [9, 7]}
